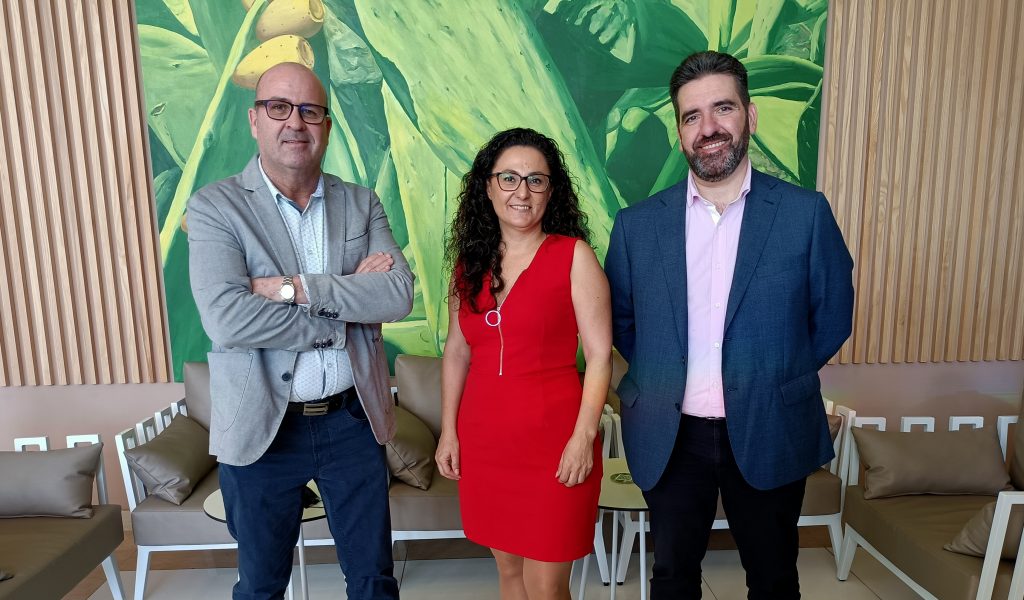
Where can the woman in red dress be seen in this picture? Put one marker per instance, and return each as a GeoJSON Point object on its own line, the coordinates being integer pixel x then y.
{"type": "Point", "coordinates": [519, 432]}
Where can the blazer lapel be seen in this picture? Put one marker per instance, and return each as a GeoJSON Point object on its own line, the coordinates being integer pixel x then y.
{"type": "Point", "coordinates": [758, 216]}
{"type": "Point", "coordinates": [672, 243]}
{"type": "Point", "coordinates": [334, 225]}
{"type": "Point", "coordinates": [263, 205]}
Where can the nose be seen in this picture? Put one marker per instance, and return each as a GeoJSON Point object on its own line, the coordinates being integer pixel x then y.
{"type": "Point", "coordinates": [523, 191]}
{"type": "Point", "coordinates": [709, 126]}
{"type": "Point", "coordinates": [294, 121]}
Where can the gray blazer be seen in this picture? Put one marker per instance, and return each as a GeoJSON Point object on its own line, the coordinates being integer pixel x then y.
{"type": "Point", "coordinates": [235, 232]}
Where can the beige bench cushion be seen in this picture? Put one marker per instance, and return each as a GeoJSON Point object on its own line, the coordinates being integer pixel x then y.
{"type": "Point", "coordinates": [48, 556]}
{"type": "Point", "coordinates": [157, 522]}
{"type": "Point", "coordinates": [436, 509]}
{"type": "Point", "coordinates": [911, 530]}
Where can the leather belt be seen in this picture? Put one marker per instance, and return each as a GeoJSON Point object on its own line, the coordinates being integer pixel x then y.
{"type": "Point", "coordinates": [324, 406]}
{"type": "Point", "coordinates": [707, 419]}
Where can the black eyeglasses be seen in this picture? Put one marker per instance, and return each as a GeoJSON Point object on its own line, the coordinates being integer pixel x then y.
{"type": "Point", "coordinates": [280, 110]}
{"type": "Point", "coordinates": [510, 181]}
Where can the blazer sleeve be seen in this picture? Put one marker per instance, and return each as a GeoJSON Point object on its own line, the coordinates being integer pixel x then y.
{"type": "Point", "coordinates": [231, 314]}
{"type": "Point", "coordinates": [616, 266]}
{"type": "Point", "coordinates": [831, 285]}
{"type": "Point", "coordinates": [365, 297]}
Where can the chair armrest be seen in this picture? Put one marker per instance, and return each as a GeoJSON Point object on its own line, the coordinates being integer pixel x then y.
{"type": "Point", "coordinates": [133, 487]}
{"type": "Point", "coordinates": [1006, 501]}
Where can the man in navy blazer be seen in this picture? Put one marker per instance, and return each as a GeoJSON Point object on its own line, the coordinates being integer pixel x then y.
{"type": "Point", "coordinates": [730, 290]}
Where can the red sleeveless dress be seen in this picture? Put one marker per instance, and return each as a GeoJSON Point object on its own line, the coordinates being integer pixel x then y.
{"type": "Point", "coordinates": [519, 408]}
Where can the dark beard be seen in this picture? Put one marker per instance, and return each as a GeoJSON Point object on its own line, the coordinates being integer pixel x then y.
{"type": "Point", "coordinates": [721, 164]}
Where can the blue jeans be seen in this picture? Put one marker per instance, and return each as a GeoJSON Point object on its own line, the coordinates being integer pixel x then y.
{"type": "Point", "coordinates": [263, 502]}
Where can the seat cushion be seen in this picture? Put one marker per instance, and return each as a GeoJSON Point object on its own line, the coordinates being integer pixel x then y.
{"type": "Point", "coordinates": [911, 531]}
{"type": "Point", "coordinates": [157, 522]}
{"type": "Point", "coordinates": [434, 509]}
{"type": "Point", "coordinates": [48, 556]}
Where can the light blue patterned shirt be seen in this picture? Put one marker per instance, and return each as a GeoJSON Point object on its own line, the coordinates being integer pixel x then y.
{"type": "Point", "coordinates": [318, 373]}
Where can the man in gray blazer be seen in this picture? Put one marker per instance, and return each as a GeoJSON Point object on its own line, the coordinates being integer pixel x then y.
{"type": "Point", "coordinates": [293, 271]}
{"type": "Point", "coordinates": [730, 290]}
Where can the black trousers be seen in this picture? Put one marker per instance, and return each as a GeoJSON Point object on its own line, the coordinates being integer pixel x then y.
{"type": "Point", "coordinates": [682, 508]}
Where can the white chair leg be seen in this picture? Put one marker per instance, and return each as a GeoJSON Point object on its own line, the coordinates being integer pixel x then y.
{"type": "Point", "coordinates": [303, 583]}
{"type": "Point", "coordinates": [113, 577]}
{"type": "Point", "coordinates": [846, 555]}
{"type": "Point", "coordinates": [141, 571]}
{"type": "Point", "coordinates": [600, 552]}
{"type": "Point", "coordinates": [629, 531]}
{"type": "Point", "coordinates": [643, 556]}
{"type": "Point", "coordinates": [835, 533]}
{"type": "Point", "coordinates": [583, 576]}
{"type": "Point", "coordinates": [615, 545]}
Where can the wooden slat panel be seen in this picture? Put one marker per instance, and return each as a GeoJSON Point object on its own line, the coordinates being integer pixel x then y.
{"type": "Point", "coordinates": [81, 298]}
{"type": "Point", "coordinates": [921, 153]}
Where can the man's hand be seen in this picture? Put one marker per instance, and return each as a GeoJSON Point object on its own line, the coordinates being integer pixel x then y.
{"type": "Point", "coordinates": [270, 288]}
{"type": "Point", "coordinates": [378, 262]}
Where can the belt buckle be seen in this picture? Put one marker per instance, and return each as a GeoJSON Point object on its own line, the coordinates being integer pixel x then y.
{"type": "Point", "coordinates": [315, 409]}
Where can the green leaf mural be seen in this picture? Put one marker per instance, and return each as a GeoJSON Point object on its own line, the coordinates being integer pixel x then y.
{"type": "Point", "coordinates": [415, 88]}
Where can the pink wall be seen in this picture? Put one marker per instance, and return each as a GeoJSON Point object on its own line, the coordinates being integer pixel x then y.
{"type": "Point", "coordinates": [58, 411]}
{"type": "Point", "coordinates": [988, 389]}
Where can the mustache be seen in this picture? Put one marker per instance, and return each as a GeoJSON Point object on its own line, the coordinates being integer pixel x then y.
{"type": "Point", "coordinates": [713, 139]}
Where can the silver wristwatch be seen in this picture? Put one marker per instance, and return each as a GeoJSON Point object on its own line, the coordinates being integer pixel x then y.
{"type": "Point", "coordinates": [287, 289]}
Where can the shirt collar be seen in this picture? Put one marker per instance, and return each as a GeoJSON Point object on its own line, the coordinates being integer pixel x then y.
{"type": "Point", "coordinates": [693, 194]}
{"type": "Point", "coordinates": [318, 193]}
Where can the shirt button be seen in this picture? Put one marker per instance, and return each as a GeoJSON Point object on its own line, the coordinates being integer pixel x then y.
{"type": "Point", "coordinates": [717, 345]}
{"type": "Point", "coordinates": [718, 305]}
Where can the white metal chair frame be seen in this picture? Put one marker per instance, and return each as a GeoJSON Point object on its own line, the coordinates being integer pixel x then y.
{"type": "Point", "coordinates": [110, 568]}
{"type": "Point", "coordinates": [144, 431]}
{"type": "Point", "coordinates": [1005, 502]}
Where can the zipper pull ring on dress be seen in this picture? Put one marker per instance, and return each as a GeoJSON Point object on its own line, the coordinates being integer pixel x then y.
{"type": "Point", "coordinates": [496, 312]}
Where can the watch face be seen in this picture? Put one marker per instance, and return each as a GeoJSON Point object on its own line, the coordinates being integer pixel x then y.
{"type": "Point", "coordinates": [288, 291]}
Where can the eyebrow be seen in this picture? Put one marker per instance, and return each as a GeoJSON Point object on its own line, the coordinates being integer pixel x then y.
{"type": "Point", "coordinates": [714, 105]}
{"type": "Point", "coordinates": [524, 174]}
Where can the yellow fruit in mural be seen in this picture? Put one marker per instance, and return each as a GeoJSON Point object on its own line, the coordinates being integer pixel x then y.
{"type": "Point", "coordinates": [283, 48]}
{"type": "Point", "coordinates": [298, 17]}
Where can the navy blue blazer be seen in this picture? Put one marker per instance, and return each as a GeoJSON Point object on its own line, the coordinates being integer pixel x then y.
{"type": "Point", "coordinates": [790, 309]}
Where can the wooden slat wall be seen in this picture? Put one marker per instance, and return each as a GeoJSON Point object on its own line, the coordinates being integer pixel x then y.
{"type": "Point", "coordinates": [922, 154]}
{"type": "Point", "coordinates": [80, 290]}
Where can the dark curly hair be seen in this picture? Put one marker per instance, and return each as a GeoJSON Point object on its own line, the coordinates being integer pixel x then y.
{"type": "Point", "coordinates": [474, 247]}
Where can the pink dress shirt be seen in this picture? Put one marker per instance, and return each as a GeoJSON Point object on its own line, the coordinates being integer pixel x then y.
{"type": "Point", "coordinates": [712, 240]}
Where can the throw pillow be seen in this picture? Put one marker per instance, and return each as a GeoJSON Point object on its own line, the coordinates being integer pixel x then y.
{"type": "Point", "coordinates": [835, 423]}
{"type": "Point", "coordinates": [174, 462]}
{"type": "Point", "coordinates": [973, 538]}
{"type": "Point", "coordinates": [55, 483]}
{"type": "Point", "coordinates": [411, 451]}
{"type": "Point", "coordinates": [968, 461]}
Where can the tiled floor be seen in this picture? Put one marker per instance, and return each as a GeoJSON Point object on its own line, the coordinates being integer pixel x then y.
{"type": "Point", "coordinates": [475, 579]}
